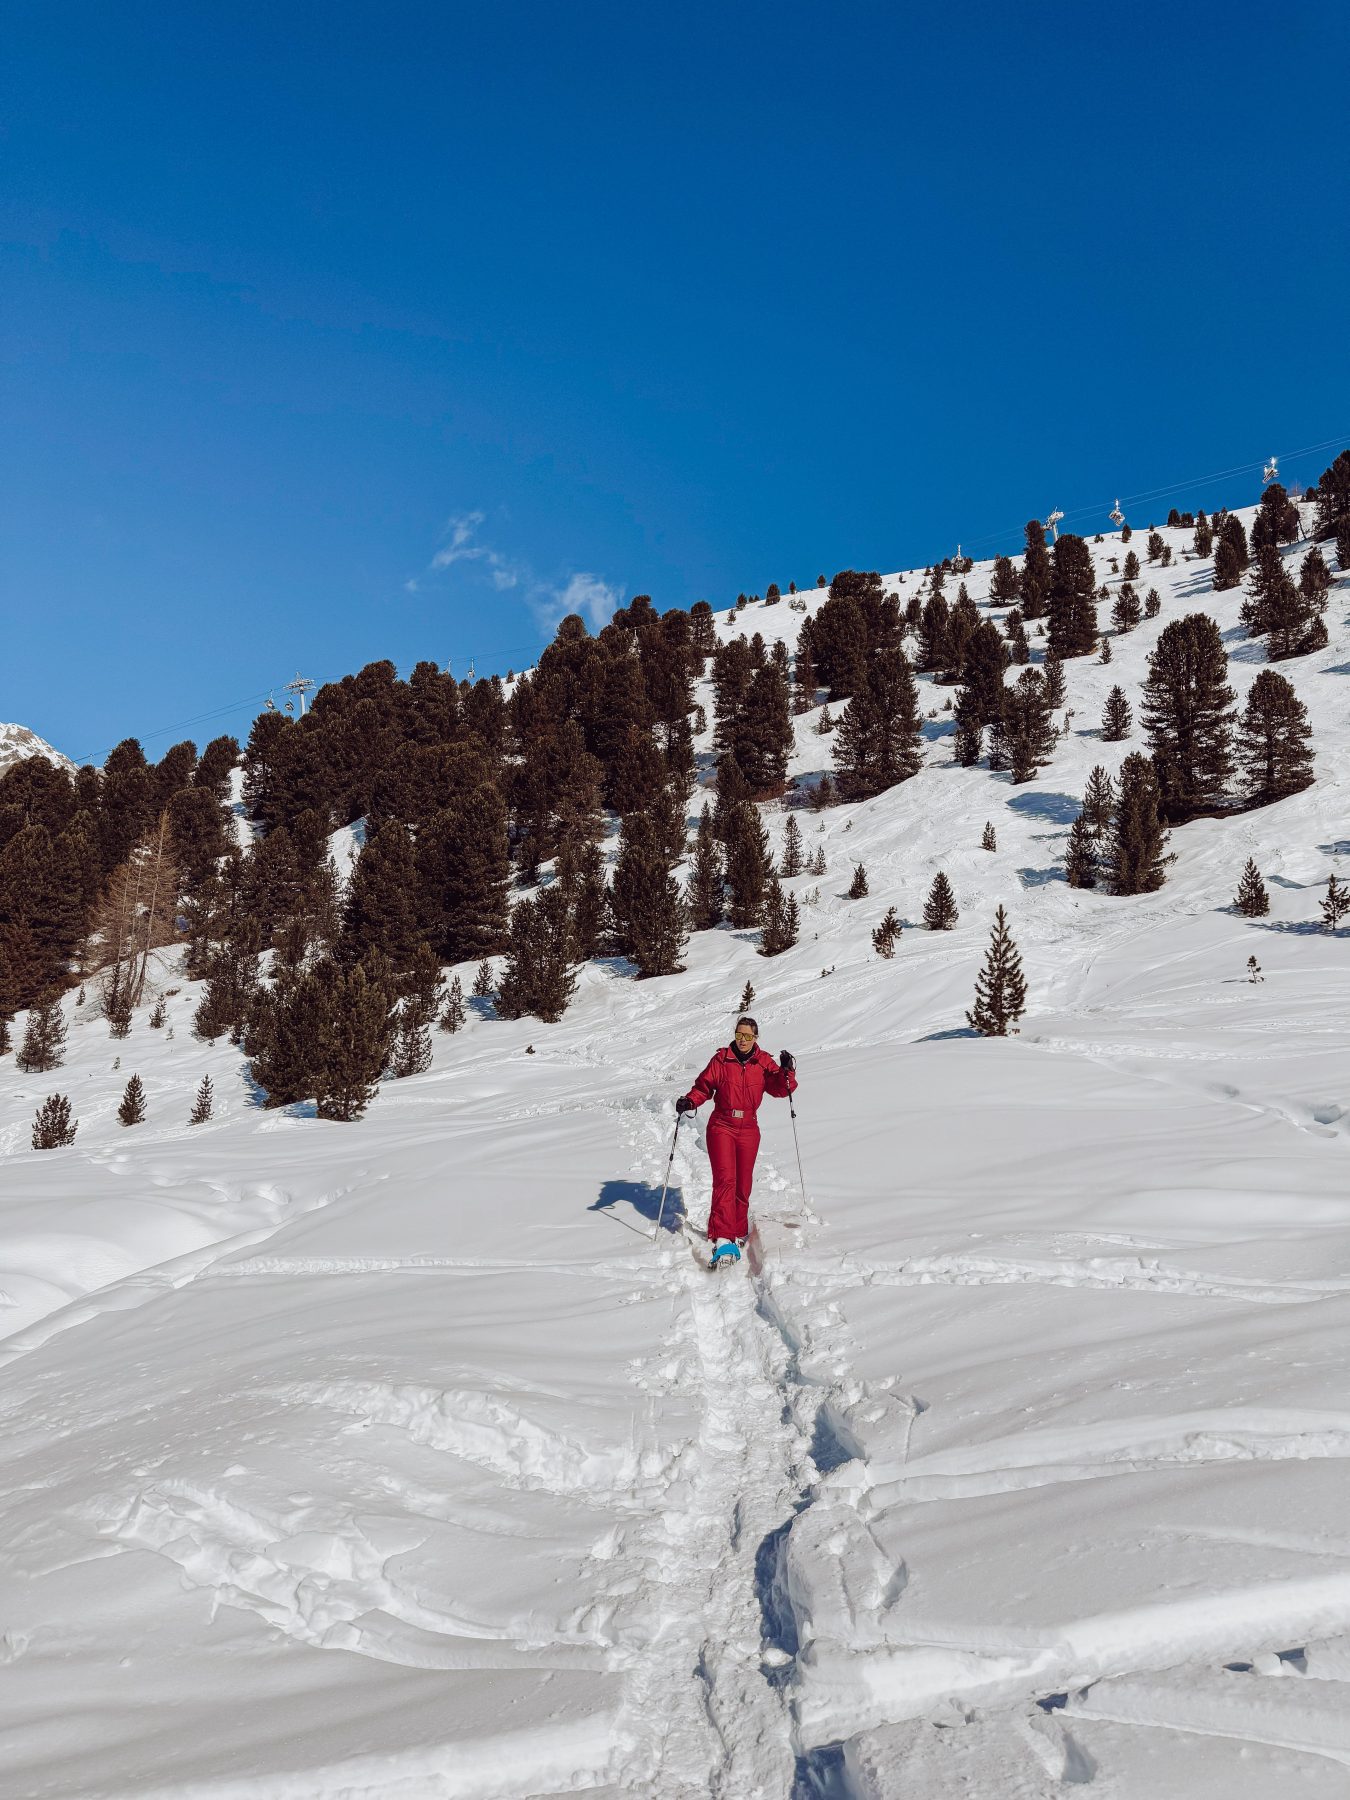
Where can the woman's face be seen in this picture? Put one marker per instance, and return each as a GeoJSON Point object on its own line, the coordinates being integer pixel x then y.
{"type": "Point", "coordinates": [745, 1037]}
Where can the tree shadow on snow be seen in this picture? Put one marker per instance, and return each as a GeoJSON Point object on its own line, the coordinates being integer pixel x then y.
{"type": "Point", "coordinates": [1060, 809]}
{"type": "Point", "coordinates": [645, 1199]}
{"type": "Point", "coordinates": [1295, 927]}
{"type": "Point", "coordinates": [1034, 878]}
{"type": "Point", "coordinates": [956, 1031]}
{"type": "Point", "coordinates": [1341, 847]}
{"type": "Point", "coordinates": [1338, 669]}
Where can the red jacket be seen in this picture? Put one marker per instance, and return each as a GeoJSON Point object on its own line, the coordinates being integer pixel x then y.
{"type": "Point", "coordinates": [736, 1088]}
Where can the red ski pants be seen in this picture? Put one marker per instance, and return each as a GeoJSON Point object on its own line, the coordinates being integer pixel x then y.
{"type": "Point", "coordinates": [732, 1150]}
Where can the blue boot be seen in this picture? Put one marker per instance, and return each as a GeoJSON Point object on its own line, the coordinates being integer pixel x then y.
{"type": "Point", "coordinates": [725, 1250]}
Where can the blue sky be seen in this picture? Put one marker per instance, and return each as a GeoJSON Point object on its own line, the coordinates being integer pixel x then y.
{"type": "Point", "coordinates": [337, 332]}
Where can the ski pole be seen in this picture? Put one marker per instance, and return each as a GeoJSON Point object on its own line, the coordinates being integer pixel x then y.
{"type": "Point", "coordinates": [679, 1120]}
{"type": "Point", "coordinates": [801, 1179]}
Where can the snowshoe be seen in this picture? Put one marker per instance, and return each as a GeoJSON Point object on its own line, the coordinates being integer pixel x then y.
{"type": "Point", "coordinates": [724, 1251]}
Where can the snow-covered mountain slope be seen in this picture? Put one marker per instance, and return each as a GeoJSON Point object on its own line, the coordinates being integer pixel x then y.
{"type": "Point", "coordinates": [397, 1460]}
{"type": "Point", "coordinates": [18, 742]}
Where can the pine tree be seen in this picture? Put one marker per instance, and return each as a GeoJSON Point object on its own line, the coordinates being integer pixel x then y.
{"type": "Point", "coordinates": [877, 743]}
{"type": "Point", "coordinates": [1106, 650]}
{"type": "Point", "coordinates": [1127, 611]}
{"type": "Point", "coordinates": [1131, 569]}
{"type": "Point", "coordinates": [410, 1051]}
{"type": "Point", "coordinates": [132, 1109]}
{"type": "Point", "coordinates": [883, 938]}
{"type": "Point", "coordinates": [453, 1016]}
{"type": "Point", "coordinates": [202, 1105]}
{"type": "Point", "coordinates": [939, 909]}
{"type": "Point", "coordinates": [781, 920]}
{"type": "Point", "coordinates": [1204, 537]}
{"type": "Point", "coordinates": [1227, 567]}
{"type": "Point", "coordinates": [989, 840]}
{"type": "Point", "coordinates": [1004, 585]}
{"type": "Point", "coordinates": [6, 1042]}
{"type": "Point", "coordinates": [790, 862]}
{"type": "Point", "coordinates": [1053, 670]}
{"type": "Point", "coordinates": [44, 1040]}
{"type": "Point", "coordinates": [1000, 987]}
{"type": "Point", "coordinates": [857, 888]}
{"type": "Point", "coordinates": [538, 979]}
{"type": "Point", "coordinates": [1251, 898]}
{"type": "Point", "coordinates": [1188, 717]}
{"type": "Point", "coordinates": [1024, 737]}
{"type": "Point", "coordinates": [53, 1127]}
{"type": "Point", "coordinates": [816, 866]}
{"type": "Point", "coordinates": [1018, 648]}
{"type": "Point", "coordinates": [968, 741]}
{"type": "Point", "coordinates": [1152, 603]}
{"type": "Point", "coordinates": [1343, 544]}
{"type": "Point", "coordinates": [804, 682]}
{"type": "Point", "coordinates": [747, 999]}
{"type": "Point", "coordinates": [483, 983]}
{"type": "Point", "coordinates": [159, 1016]}
{"type": "Point", "coordinates": [748, 866]}
{"type": "Point", "coordinates": [117, 1004]}
{"type": "Point", "coordinates": [650, 918]}
{"type": "Point", "coordinates": [1073, 592]}
{"type": "Point", "coordinates": [1335, 905]}
{"type": "Point", "coordinates": [1275, 754]}
{"type": "Point", "coordinates": [1117, 718]}
{"type": "Point", "coordinates": [704, 890]}
{"type": "Point", "coordinates": [1081, 854]}
{"type": "Point", "coordinates": [1135, 860]}
{"type": "Point", "coordinates": [1099, 801]}
{"type": "Point", "coordinates": [1036, 571]}
{"type": "Point", "coordinates": [357, 1027]}
{"type": "Point", "coordinates": [1156, 546]}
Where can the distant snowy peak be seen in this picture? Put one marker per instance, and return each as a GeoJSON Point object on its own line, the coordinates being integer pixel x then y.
{"type": "Point", "coordinates": [17, 742]}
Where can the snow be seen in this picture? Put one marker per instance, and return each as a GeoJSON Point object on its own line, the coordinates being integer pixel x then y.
{"type": "Point", "coordinates": [18, 742]}
{"type": "Point", "coordinates": [396, 1460]}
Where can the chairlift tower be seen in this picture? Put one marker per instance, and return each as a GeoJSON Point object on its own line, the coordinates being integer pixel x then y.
{"type": "Point", "coordinates": [1117, 516]}
{"type": "Point", "coordinates": [1052, 526]}
{"type": "Point", "coordinates": [1270, 471]}
{"type": "Point", "coordinates": [300, 687]}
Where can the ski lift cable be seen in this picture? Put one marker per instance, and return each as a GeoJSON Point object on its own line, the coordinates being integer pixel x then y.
{"type": "Point", "coordinates": [1177, 487]}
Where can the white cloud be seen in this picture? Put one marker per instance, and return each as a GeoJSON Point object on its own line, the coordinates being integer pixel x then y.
{"type": "Point", "coordinates": [594, 599]}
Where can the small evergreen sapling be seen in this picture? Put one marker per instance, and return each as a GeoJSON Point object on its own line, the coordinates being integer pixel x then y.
{"type": "Point", "coordinates": [159, 1017]}
{"type": "Point", "coordinates": [1106, 650]}
{"type": "Point", "coordinates": [201, 1106]}
{"type": "Point", "coordinates": [1254, 970]}
{"type": "Point", "coordinates": [1335, 905]}
{"type": "Point", "coordinates": [53, 1127]}
{"type": "Point", "coordinates": [1081, 855]}
{"type": "Point", "coordinates": [132, 1109]}
{"type": "Point", "coordinates": [482, 981]}
{"type": "Point", "coordinates": [857, 888]}
{"type": "Point", "coordinates": [453, 1016]}
{"type": "Point", "coordinates": [883, 938]}
{"type": "Point", "coordinates": [1152, 603]}
{"type": "Point", "coordinates": [1000, 987]}
{"type": "Point", "coordinates": [816, 866]}
{"type": "Point", "coordinates": [1251, 899]}
{"type": "Point", "coordinates": [781, 920]}
{"type": "Point", "coordinates": [939, 909]}
{"type": "Point", "coordinates": [1116, 716]}
{"type": "Point", "coordinates": [747, 999]}
{"type": "Point", "coordinates": [989, 839]}
{"type": "Point", "coordinates": [44, 1040]}
{"type": "Point", "coordinates": [791, 861]}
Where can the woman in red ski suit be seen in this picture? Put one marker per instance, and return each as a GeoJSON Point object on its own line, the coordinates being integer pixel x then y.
{"type": "Point", "coordinates": [736, 1080]}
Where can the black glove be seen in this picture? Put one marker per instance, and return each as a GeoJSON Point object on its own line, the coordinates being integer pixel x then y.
{"type": "Point", "coordinates": [786, 1060]}
{"type": "Point", "coordinates": [684, 1104]}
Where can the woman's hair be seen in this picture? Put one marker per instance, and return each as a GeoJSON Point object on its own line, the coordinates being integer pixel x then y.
{"type": "Point", "coordinates": [745, 1019]}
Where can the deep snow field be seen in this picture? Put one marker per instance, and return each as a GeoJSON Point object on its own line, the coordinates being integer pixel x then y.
{"type": "Point", "coordinates": [395, 1459]}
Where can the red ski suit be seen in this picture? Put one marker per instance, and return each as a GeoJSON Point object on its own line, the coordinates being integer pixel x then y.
{"type": "Point", "coordinates": [736, 1089]}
